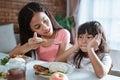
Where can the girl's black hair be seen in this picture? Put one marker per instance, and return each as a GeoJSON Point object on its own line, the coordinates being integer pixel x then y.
{"type": "Point", "coordinates": [92, 28]}
{"type": "Point", "coordinates": [24, 18]}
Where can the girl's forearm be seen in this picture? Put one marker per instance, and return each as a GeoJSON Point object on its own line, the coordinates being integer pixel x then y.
{"type": "Point", "coordinates": [20, 50]}
{"type": "Point", "coordinates": [97, 64]}
{"type": "Point", "coordinates": [66, 54]}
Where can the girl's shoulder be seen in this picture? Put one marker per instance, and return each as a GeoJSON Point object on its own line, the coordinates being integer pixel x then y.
{"type": "Point", "coordinates": [63, 31]}
{"type": "Point", "coordinates": [63, 35]}
{"type": "Point", "coordinates": [103, 55]}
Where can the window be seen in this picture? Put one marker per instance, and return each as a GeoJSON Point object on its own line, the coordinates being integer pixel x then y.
{"type": "Point", "coordinates": [107, 13]}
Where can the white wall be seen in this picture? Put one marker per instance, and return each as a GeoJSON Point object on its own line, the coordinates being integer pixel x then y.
{"type": "Point", "coordinates": [115, 55]}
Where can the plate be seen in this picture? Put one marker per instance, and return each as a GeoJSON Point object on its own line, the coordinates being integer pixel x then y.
{"type": "Point", "coordinates": [69, 68]}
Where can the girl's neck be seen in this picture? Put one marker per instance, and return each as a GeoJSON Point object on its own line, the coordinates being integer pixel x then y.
{"type": "Point", "coordinates": [50, 40]}
{"type": "Point", "coordinates": [86, 54]}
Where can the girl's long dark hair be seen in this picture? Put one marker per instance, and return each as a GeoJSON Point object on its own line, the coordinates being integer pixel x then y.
{"type": "Point", "coordinates": [92, 28]}
{"type": "Point", "coordinates": [24, 18]}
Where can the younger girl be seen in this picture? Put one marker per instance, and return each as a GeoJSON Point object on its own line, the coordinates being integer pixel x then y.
{"type": "Point", "coordinates": [93, 53]}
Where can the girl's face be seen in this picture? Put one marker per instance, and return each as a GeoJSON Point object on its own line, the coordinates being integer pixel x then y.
{"type": "Point", "coordinates": [41, 24]}
{"type": "Point", "coordinates": [83, 41]}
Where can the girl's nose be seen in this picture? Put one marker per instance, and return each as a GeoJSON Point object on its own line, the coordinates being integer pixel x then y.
{"type": "Point", "coordinates": [44, 27]}
{"type": "Point", "coordinates": [83, 39]}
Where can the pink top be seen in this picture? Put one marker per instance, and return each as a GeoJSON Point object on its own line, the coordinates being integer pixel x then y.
{"type": "Point", "coordinates": [49, 53]}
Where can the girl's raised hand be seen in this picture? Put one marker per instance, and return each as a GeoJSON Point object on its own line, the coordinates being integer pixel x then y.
{"type": "Point", "coordinates": [95, 42]}
{"type": "Point", "coordinates": [35, 41]}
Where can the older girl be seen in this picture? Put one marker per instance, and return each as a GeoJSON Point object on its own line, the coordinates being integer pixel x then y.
{"type": "Point", "coordinates": [40, 33]}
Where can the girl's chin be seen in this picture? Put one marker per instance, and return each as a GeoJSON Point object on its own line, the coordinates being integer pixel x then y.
{"type": "Point", "coordinates": [47, 35]}
{"type": "Point", "coordinates": [83, 49]}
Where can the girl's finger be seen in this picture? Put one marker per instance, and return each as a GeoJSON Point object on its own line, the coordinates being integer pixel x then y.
{"type": "Point", "coordinates": [35, 35]}
{"type": "Point", "coordinates": [99, 38]}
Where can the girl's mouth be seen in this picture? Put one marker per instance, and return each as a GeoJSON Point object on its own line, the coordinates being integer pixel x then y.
{"type": "Point", "coordinates": [83, 45]}
{"type": "Point", "coordinates": [47, 31]}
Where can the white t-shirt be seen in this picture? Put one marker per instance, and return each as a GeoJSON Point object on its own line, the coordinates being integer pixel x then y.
{"type": "Point", "coordinates": [85, 63]}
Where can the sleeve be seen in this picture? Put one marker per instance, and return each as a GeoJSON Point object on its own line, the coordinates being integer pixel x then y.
{"type": "Point", "coordinates": [107, 61]}
{"type": "Point", "coordinates": [70, 60]}
{"type": "Point", "coordinates": [64, 36]}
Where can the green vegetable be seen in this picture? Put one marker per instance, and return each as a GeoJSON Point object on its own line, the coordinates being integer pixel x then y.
{"type": "Point", "coordinates": [50, 73]}
{"type": "Point", "coordinates": [4, 60]}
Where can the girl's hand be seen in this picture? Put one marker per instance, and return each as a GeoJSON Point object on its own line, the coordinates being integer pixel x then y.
{"type": "Point", "coordinates": [95, 42]}
{"type": "Point", "coordinates": [35, 41]}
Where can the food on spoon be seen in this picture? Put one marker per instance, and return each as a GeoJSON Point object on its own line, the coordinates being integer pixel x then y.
{"type": "Point", "coordinates": [58, 76]}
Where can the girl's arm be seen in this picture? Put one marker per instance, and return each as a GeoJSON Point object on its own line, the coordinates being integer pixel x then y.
{"type": "Point", "coordinates": [33, 43]}
{"type": "Point", "coordinates": [19, 50]}
{"type": "Point", "coordinates": [63, 57]}
{"type": "Point", "coordinates": [98, 65]}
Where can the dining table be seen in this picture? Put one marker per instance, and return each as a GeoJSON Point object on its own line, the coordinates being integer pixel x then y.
{"type": "Point", "coordinates": [76, 74]}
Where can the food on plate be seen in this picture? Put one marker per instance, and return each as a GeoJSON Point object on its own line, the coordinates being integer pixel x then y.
{"type": "Point", "coordinates": [4, 60]}
{"type": "Point", "coordinates": [40, 70]}
{"type": "Point", "coordinates": [57, 67]}
{"type": "Point", "coordinates": [26, 58]}
{"type": "Point", "coordinates": [58, 76]}
{"type": "Point", "coordinates": [50, 69]}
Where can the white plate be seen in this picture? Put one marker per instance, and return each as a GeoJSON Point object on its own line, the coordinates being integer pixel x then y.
{"type": "Point", "coordinates": [30, 73]}
{"type": "Point", "coordinates": [69, 67]}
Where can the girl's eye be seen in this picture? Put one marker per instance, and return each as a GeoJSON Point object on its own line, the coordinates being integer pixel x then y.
{"type": "Point", "coordinates": [37, 27]}
{"type": "Point", "coordinates": [89, 37]}
{"type": "Point", "coordinates": [80, 36]}
{"type": "Point", "coordinates": [45, 21]}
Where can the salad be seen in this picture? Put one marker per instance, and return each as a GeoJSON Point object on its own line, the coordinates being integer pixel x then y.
{"type": "Point", "coordinates": [3, 70]}
{"type": "Point", "coordinates": [4, 60]}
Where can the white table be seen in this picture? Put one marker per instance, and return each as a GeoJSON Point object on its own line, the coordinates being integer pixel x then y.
{"type": "Point", "coordinates": [76, 75]}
